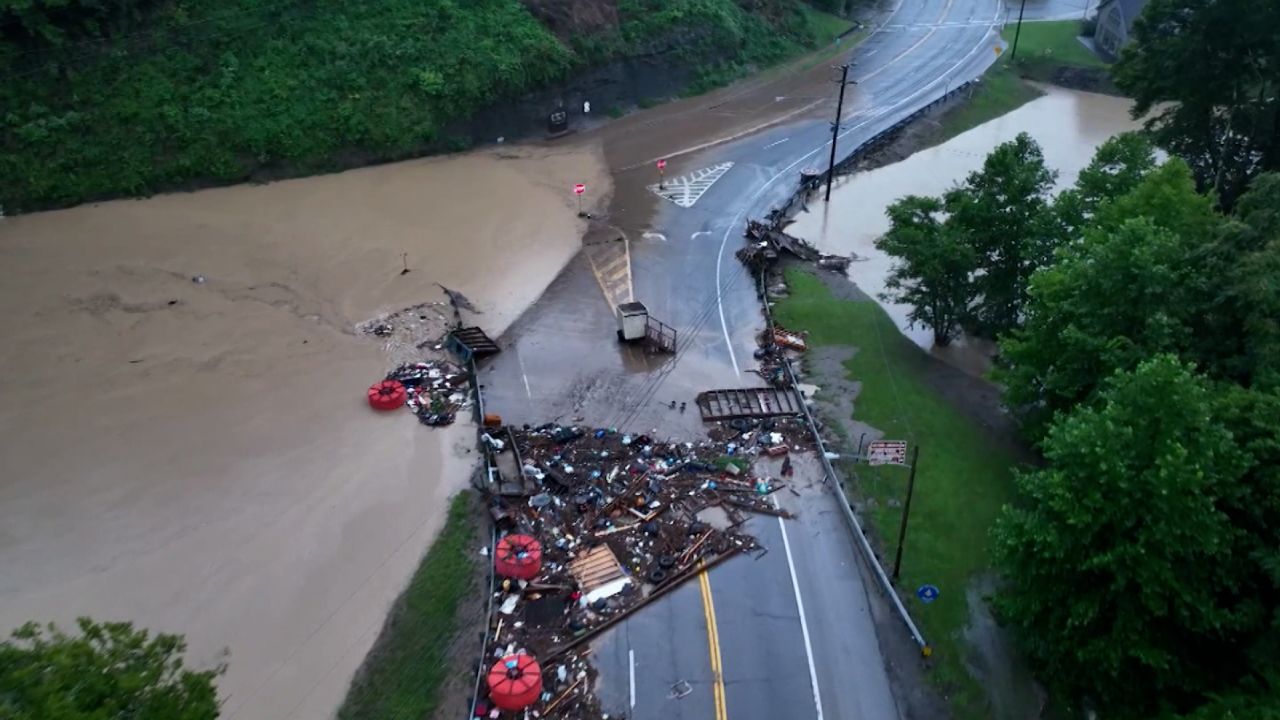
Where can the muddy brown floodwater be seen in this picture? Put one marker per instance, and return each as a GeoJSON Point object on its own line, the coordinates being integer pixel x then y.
{"type": "Point", "coordinates": [198, 457]}
{"type": "Point", "coordinates": [1069, 126]}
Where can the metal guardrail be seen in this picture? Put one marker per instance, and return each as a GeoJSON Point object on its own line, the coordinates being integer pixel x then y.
{"type": "Point", "coordinates": [847, 163]}
{"type": "Point", "coordinates": [832, 478]}
{"type": "Point", "coordinates": [776, 218]}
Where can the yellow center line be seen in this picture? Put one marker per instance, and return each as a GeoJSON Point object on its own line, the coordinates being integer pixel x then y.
{"type": "Point", "coordinates": [713, 645]}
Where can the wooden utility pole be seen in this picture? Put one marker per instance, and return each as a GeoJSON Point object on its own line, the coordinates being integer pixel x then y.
{"type": "Point", "coordinates": [1013, 54]}
{"type": "Point", "coordinates": [835, 128]}
{"type": "Point", "coordinates": [906, 512]}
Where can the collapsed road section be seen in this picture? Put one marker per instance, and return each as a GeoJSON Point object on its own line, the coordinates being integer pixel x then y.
{"type": "Point", "coordinates": [599, 524]}
{"type": "Point", "coordinates": [591, 524]}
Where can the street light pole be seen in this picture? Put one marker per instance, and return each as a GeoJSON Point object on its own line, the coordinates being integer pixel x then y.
{"type": "Point", "coordinates": [1014, 52]}
{"type": "Point", "coordinates": [835, 128]}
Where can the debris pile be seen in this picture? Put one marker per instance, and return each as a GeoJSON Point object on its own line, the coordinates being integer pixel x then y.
{"type": "Point", "coordinates": [768, 241]}
{"type": "Point", "coordinates": [411, 333]}
{"type": "Point", "coordinates": [614, 520]}
{"type": "Point", "coordinates": [435, 390]}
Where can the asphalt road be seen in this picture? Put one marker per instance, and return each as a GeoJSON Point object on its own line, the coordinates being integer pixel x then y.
{"type": "Point", "coordinates": [742, 643]}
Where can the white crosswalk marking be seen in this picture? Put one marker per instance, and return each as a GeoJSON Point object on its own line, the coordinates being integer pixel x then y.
{"type": "Point", "coordinates": [686, 189]}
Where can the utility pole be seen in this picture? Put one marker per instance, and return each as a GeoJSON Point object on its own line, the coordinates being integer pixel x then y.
{"type": "Point", "coordinates": [1013, 54]}
{"type": "Point", "coordinates": [906, 512]}
{"type": "Point", "coordinates": [835, 128]}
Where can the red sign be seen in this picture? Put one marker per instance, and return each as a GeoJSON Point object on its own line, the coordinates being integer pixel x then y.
{"type": "Point", "coordinates": [579, 189]}
{"type": "Point", "coordinates": [662, 164]}
{"type": "Point", "coordinates": [887, 452]}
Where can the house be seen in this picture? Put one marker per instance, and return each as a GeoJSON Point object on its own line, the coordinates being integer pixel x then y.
{"type": "Point", "coordinates": [1115, 22]}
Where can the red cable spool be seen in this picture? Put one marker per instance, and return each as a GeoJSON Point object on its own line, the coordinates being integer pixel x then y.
{"type": "Point", "coordinates": [519, 557]}
{"type": "Point", "coordinates": [387, 395]}
{"type": "Point", "coordinates": [515, 682]}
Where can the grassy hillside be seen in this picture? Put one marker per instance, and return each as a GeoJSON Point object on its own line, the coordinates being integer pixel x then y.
{"type": "Point", "coordinates": [99, 103]}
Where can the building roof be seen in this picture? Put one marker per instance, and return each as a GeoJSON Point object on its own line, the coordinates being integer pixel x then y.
{"type": "Point", "coordinates": [1131, 9]}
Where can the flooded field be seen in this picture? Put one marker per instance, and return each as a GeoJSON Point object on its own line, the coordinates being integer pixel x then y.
{"type": "Point", "coordinates": [197, 456]}
{"type": "Point", "coordinates": [1069, 126]}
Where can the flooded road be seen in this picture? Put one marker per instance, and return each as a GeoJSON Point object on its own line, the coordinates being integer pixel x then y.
{"type": "Point", "coordinates": [198, 457]}
{"type": "Point", "coordinates": [1069, 126]}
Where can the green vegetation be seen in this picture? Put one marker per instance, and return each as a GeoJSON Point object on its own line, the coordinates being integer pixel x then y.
{"type": "Point", "coordinates": [1140, 349]}
{"type": "Point", "coordinates": [934, 269]}
{"type": "Point", "coordinates": [964, 477]}
{"type": "Point", "coordinates": [1042, 47]}
{"type": "Point", "coordinates": [824, 27]}
{"type": "Point", "coordinates": [1053, 42]}
{"type": "Point", "coordinates": [1146, 368]}
{"type": "Point", "coordinates": [106, 670]}
{"type": "Point", "coordinates": [107, 99]}
{"type": "Point", "coordinates": [1120, 551]}
{"type": "Point", "coordinates": [966, 259]}
{"type": "Point", "coordinates": [1216, 103]}
{"type": "Point", "coordinates": [1001, 92]}
{"type": "Point", "coordinates": [402, 676]}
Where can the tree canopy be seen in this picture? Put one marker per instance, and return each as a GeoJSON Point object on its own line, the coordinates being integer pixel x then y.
{"type": "Point", "coordinates": [934, 266]}
{"type": "Point", "coordinates": [1120, 556]}
{"type": "Point", "coordinates": [1209, 75]}
{"type": "Point", "coordinates": [107, 670]}
{"type": "Point", "coordinates": [1003, 210]}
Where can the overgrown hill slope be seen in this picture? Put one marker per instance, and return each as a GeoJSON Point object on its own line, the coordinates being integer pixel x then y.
{"type": "Point", "coordinates": [105, 98]}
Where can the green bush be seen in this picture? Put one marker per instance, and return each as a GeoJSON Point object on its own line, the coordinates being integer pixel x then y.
{"type": "Point", "coordinates": [171, 95]}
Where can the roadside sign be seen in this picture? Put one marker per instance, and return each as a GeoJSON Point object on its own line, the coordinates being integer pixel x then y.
{"type": "Point", "coordinates": [887, 452]}
{"type": "Point", "coordinates": [579, 189]}
{"type": "Point", "coordinates": [557, 122]}
{"type": "Point", "coordinates": [662, 164]}
{"type": "Point", "coordinates": [928, 593]}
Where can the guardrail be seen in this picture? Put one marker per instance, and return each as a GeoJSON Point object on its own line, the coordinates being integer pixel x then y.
{"type": "Point", "coordinates": [847, 164]}
{"type": "Point", "coordinates": [776, 218]}
{"type": "Point", "coordinates": [833, 480]}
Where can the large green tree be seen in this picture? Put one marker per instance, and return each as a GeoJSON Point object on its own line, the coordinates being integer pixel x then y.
{"type": "Point", "coordinates": [1109, 303]}
{"type": "Point", "coordinates": [1118, 166]}
{"type": "Point", "coordinates": [1120, 554]}
{"type": "Point", "coordinates": [1003, 209]}
{"type": "Point", "coordinates": [1263, 705]}
{"type": "Point", "coordinates": [106, 671]}
{"type": "Point", "coordinates": [1127, 289]}
{"type": "Point", "coordinates": [1238, 336]}
{"type": "Point", "coordinates": [1208, 72]}
{"type": "Point", "coordinates": [933, 267]}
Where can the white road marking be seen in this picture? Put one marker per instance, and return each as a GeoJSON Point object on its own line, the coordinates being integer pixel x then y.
{"type": "Point", "coordinates": [687, 189]}
{"type": "Point", "coordinates": [724, 240]}
{"type": "Point", "coordinates": [632, 655]}
{"type": "Point", "coordinates": [523, 375]}
{"type": "Point", "coordinates": [700, 232]}
{"type": "Point", "coordinates": [766, 147]}
{"type": "Point", "coordinates": [654, 236]}
{"type": "Point", "coordinates": [804, 625]}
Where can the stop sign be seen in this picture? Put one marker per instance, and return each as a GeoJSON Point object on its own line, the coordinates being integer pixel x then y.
{"type": "Point", "coordinates": [662, 164]}
{"type": "Point", "coordinates": [579, 189]}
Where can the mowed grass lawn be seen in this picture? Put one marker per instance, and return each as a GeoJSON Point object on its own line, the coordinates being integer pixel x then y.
{"type": "Point", "coordinates": [963, 477]}
{"type": "Point", "coordinates": [1053, 41]}
{"type": "Point", "coordinates": [403, 675]}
